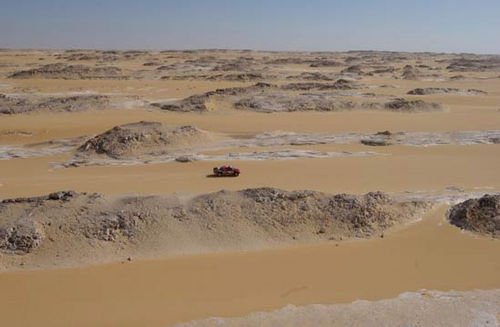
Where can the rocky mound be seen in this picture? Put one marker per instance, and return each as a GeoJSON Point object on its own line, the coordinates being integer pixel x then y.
{"type": "Point", "coordinates": [474, 65]}
{"type": "Point", "coordinates": [100, 55]}
{"type": "Point", "coordinates": [289, 61]}
{"type": "Point", "coordinates": [74, 103]}
{"type": "Point", "coordinates": [457, 77]}
{"type": "Point", "coordinates": [404, 105]}
{"type": "Point", "coordinates": [445, 90]}
{"type": "Point", "coordinates": [353, 70]}
{"type": "Point", "coordinates": [238, 77]}
{"type": "Point", "coordinates": [379, 139]}
{"type": "Point", "coordinates": [142, 138]}
{"type": "Point", "coordinates": [239, 65]}
{"type": "Point", "coordinates": [13, 105]}
{"type": "Point", "coordinates": [409, 73]}
{"type": "Point", "coordinates": [325, 63]}
{"type": "Point", "coordinates": [151, 63]}
{"type": "Point", "coordinates": [286, 102]}
{"type": "Point", "coordinates": [75, 225]}
{"type": "Point", "coordinates": [64, 71]}
{"type": "Point", "coordinates": [384, 70]}
{"type": "Point", "coordinates": [264, 97]}
{"type": "Point", "coordinates": [340, 84]}
{"type": "Point", "coordinates": [481, 215]}
{"type": "Point", "coordinates": [313, 76]}
{"type": "Point", "coordinates": [235, 77]}
{"type": "Point", "coordinates": [196, 103]}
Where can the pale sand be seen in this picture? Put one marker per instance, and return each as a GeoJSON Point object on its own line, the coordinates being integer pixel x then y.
{"type": "Point", "coordinates": [429, 254]}
{"type": "Point", "coordinates": [401, 169]}
{"type": "Point", "coordinates": [48, 126]}
{"type": "Point", "coordinates": [424, 308]}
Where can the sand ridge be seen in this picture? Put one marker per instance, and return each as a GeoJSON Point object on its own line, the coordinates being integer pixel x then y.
{"type": "Point", "coordinates": [73, 229]}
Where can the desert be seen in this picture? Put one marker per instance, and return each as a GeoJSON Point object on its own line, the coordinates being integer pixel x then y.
{"type": "Point", "coordinates": [369, 190]}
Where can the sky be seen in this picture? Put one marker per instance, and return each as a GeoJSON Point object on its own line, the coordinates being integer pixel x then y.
{"type": "Point", "coordinates": [307, 25]}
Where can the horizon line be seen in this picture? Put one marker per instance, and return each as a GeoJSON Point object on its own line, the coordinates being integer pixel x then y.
{"type": "Point", "coordinates": [238, 49]}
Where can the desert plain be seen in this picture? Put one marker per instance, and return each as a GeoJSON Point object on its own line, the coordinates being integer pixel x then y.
{"type": "Point", "coordinates": [368, 193]}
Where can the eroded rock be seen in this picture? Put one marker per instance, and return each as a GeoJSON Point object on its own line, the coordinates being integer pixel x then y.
{"type": "Point", "coordinates": [80, 222]}
{"type": "Point", "coordinates": [445, 90]}
{"type": "Point", "coordinates": [18, 105]}
{"type": "Point", "coordinates": [480, 216]}
{"type": "Point", "coordinates": [64, 71]}
{"type": "Point", "coordinates": [142, 138]}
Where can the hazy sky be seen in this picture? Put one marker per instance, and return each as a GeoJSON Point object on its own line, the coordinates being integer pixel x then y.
{"type": "Point", "coordinates": [417, 25]}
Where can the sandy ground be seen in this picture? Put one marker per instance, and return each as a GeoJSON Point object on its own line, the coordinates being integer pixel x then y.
{"type": "Point", "coordinates": [52, 126]}
{"type": "Point", "coordinates": [423, 308]}
{"type": "Point", "coordinates": [398, 169]}
{"type": "Point", "coordinates": [430, 254]}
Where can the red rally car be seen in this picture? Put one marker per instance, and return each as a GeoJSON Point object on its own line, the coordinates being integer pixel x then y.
{"type": "Point", "coordinates": [226, 171]}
